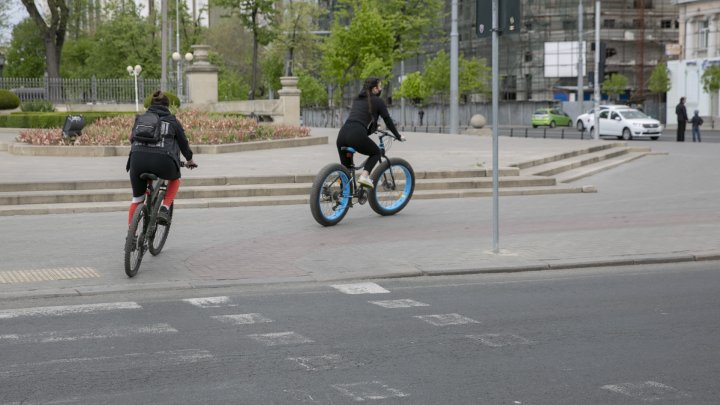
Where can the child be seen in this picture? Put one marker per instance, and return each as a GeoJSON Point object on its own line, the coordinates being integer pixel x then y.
{"type": "Point", "coordinates": [696, 121]}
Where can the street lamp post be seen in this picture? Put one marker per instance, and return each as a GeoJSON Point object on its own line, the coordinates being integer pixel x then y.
{"type": "Point", "coordinates": [176, 57]}
{"type": "Point", "coordinates": [135, 72]}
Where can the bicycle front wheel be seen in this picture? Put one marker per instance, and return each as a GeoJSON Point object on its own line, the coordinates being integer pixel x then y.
{"type": "Point", "coordinates": [394, 181]}
{"type": "Point", "coordinates": [157, 241]}
{"type": "Point", "coordinates": [135, 241]}
{"type": "Point", "coordinates": [330, 194]}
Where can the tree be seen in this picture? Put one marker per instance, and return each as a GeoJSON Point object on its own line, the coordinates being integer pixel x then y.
{"type": "Point", "coordinates": [412, 22]}
{"type": "Point", "coordinates": [296, 38]}
{"type": "Point", "coordinates": [25, 56]}
{"type": "Point", "coordinates": [415, 88]}
{"type": "Point", "coordinates": [352, 51]}
{"type": "Point", "coordinates": [259, 17]}
{"type": "Point", "coordinates": [473, 76]}
{"type": "Point", "coordinates": [313, 92]}
{"type": "Point", "coordinates": [615, 85]}
{"type": "Point", "coordinates": [4, 19]}
{"type": "Point", "coordinates": [711, 84]}
{"type": "Point", "coordinates": [660, 79]}
{"type": "Point", "coordinates": [51, 31]}
{"type": "Point", "coordinates": [232, 54]}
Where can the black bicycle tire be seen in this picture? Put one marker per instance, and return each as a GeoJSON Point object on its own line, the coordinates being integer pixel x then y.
{"type": "Point", "coordinates": [131, 268]}
{"type": "Point", "coordinates": [151, 244]}
{"type": "Point", "coordinates": [375, 176]}
{"type": "Point", "coordinates": [316, 190]}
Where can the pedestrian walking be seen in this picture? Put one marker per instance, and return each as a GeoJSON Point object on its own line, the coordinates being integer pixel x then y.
{"type": "Point", "coordinates": [682, 119]}
{"type": "Point", "coordinates": [696, 121]}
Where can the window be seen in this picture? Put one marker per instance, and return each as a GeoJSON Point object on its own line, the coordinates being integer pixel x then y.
{"type": "Point", "coordinates": [569, 25]}
{"type": "Point", "coordinates": [704, 33]}
{"type": "Point", "coordinates": [609, 23]}
{"type": "Point", "coordinates": [604, 114]}
{"type": "Point", "coordinates": [614, 116]}
{"type": "Point", "coordinates": [642, 3]}
{"type": "Point", "coordinates": [666, 24]}
{"type": "Point", "coordinates": [528, 57]}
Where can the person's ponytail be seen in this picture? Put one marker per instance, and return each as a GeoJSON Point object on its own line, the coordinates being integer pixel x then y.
{"type": "Point", "coordinates": [370, 82]}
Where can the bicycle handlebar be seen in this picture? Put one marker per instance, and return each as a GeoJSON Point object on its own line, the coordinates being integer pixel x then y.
{"type": "Point", "coordinates": [383, 133]}
{"type": "Point", "coordinates": [192, 166]}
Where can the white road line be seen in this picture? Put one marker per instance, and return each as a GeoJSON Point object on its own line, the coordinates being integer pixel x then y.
{"type": "Point", "coordinates": [119, 362]}
{"type": "Point", "coordinates": [370, 390]}
{"type": "Point", "coordinates": [446, 319]}
{"type": "Point", "coordinates": [405, 303]}
{"type": "Point", "coordinates": [323, 362]}
{"type": "Point", "coordinates": [242, 319]}
{"type": "Point", "coordinates": [209, 302]}
{"type": "Point", "coordinates": [647, 391]}
{"type": "Point", "coordinates": [501, 339]}
{"type": "Point", "coordinates": [83, 334]}
{"type": "Point", "coordinates": [68, 310]}
{"type": "Point", "coordinates": [280, 338]}
{"type": "Point", "coordinates": [360, 288]}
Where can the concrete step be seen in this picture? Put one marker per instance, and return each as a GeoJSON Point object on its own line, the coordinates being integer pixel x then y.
{"type": "Point", "coordinates": [119, 206]}
{"type": "Point", "coordinates": [556, 167]}
{"type": "Point", "coordinates": [248, 190]}
{"type": "Point", "coordinates": [569, 155]}
{"type": "Point", "coordinates": [600, 166]}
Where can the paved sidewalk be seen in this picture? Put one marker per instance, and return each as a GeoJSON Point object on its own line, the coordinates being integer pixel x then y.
{"type": "Point", "coordinates": [661, 208]}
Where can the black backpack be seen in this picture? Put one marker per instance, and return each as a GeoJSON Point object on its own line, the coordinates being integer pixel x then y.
{"type": "Point", "coordinates": [147, 128]}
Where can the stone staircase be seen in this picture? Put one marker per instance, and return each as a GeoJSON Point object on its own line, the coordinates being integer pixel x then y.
{"type": "Point", "coordinates": [545, 176]}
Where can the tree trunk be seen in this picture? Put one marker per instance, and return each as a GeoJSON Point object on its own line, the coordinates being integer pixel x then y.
{"type": "Point", "coordinates": [53, 34]}
{"type": "Point", "coordinates": [253, 87]}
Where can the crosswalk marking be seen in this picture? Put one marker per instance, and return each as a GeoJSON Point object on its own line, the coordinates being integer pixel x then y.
{"type": "Point", "coordinates": [446, 319]}
{"type": "Point", "coordinates": [369, 390]}
{"type": "Point", "coordinates": [35, 275]}
{"type": "Point", "coordinates": [242, 319]}
{"type": "Point", "coordinates": [209, 302]}
{"type": "Point", "coordinates": [63, 310]}
{"type": "Point", "coordinates": [405, 303]}
{"type": "Point", "coordinates": [83, 334]}
{"type": "Point", "coordinates": [360, 288]}
{"type": "Point", "coordinates": [280, 338]}
{"type": "Point", "coordinates": [323, 362]}
{"type": "Point", "coordinates": [500, 339]}
{"type": "Point", "coordinates": [647, 391]}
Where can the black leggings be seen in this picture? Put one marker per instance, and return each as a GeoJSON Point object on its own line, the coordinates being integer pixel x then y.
{"type": "Point", "coordinates": [158, 164]}
{"type": "Point", "coordinates": [355, 135]}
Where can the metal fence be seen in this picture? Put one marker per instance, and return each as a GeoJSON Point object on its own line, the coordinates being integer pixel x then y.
{"type": "Point", "coordinates": [81, 91]}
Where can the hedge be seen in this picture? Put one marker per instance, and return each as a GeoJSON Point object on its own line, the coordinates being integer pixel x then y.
{"type": "Point", "coordinates": [174, 100]}
{"type": "Point", "coordinates": [50, 120]}
{"type": "Point", "coordinates": [8, 100]}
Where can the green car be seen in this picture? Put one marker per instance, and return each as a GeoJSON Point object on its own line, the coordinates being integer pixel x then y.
{"type": "Point", "coordinates": [551, 117]}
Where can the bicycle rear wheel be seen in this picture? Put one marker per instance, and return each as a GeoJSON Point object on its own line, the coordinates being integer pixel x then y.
{"type": "Point", "coordinates": [330, 194]}
{"type": "Point", "coordinates": [158, 238]}
{"type": "Point", "coordinates": [394, 181]}
{"type": "Point", "coordinates": [135, 241]}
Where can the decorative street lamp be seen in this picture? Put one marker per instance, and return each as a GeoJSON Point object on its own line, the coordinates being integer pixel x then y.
{"type": "Point", "coordinates": [180, 78]}
{"type": "Point", "coordinates": [135, 71]}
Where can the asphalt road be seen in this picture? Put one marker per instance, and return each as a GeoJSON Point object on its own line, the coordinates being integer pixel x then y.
{"type": "Point", "coordinates": [601, 336]}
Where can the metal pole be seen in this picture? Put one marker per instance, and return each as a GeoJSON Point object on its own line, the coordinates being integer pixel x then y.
{"type": "Point", "coordinates": [454, 99]}
{"type": "Point", "coordinates": [177, 47]}
{"type": "Point", "coordinates": [164, 45]}
{"type": "Point", "coordinates": [581, 57]}
{"type": "Point", "coordinates": [137, 102]}
{"type": "Point", "coordinates": [596, 104]}
{"type": "Point", "coordinates": [402, 99]}
{"type": "Point", "coordinates": [495, 106]}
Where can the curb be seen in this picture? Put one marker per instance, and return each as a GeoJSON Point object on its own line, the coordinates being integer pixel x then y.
{"type": "Point", "coordinates": [199, 284]}
{"type": "Point", "coordinates": [22, 149]}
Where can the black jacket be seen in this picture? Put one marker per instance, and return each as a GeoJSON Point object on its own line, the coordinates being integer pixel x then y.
{"type": "Point", "coordinates": [681, 112]}
{"type": "Point", "coordinates": [360, 112]}
{"type": "Point", "coordinates": [174, 140]}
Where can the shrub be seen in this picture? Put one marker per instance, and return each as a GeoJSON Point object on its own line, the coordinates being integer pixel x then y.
{"type": "Point", "coordinates": [50, 120]}
{"type": "Point", "coordinates": [8, 100]}
{"type": "Point", "coordinates": [37, 106]}
{"type": "Point", "coordinates": [174, 100]}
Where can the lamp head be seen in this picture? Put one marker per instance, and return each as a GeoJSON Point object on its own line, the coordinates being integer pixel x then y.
{"type": "Point", "coordinates": [175, 56]}
{"type": "Point", "coordinates": [129, 69]}
{"type": "Point", "coordinates": [138, 69]}
{"type": "Point", "coordinates": [189, 57]}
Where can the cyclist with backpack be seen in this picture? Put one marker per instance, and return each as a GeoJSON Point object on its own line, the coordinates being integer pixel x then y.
{"type": "Point", "coordinates": [361, 122]}
{"type": "Point", "coordinates": [157, 140]}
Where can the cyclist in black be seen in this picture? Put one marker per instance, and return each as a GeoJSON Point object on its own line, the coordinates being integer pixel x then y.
{"type": "Point", "coordinates": [161, 159]}
{"type": "Point", "coordinates": [361, 122]}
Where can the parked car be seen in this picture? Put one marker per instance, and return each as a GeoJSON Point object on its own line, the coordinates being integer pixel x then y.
{"type": "Point", "coordinates": [628, 123]}
{"type": "Point", "coordinates": [551, 117]}
{"type": "Point", "coordinates": [584, 121]}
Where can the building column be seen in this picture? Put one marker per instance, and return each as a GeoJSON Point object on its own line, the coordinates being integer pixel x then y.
{"type": "Point", "coordinates": [712, 37]}
{"type": "Point", "coordinates": [290, 101]}
{"type": "Point", "coordinates": [202, 78]}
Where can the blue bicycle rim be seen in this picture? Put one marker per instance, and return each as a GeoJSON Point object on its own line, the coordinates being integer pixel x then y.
{"type": "Point", "coordinates": [344, 201]}
{"type": "Point", "coordinates": [405, 193]}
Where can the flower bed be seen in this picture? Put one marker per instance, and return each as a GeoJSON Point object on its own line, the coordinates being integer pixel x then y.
{"type": "Point", "coordinates": [200, 128]}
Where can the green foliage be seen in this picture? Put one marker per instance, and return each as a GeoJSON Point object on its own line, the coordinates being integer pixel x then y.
{"type": "Point", "coordinates": [231, 52]}
{"type": "Point", "coordinates": [25, 56]}
{"type": "Point", "coordinates": [174, 100]}
{"type": "Point", "coordinates": [49, 120]}
{"type": "Point", "coordinates": [232, 87]}
{"type": "Point", "coordinates": [711, 79]}
{"type": "Point", "coordinates": [8, 100]}
{"type": "Point", "coordinates": [272, 69]}
{"type": "Point", "coordinates": [414, 88]}
{"type": "Point", "coordinates": [660, 79]}
{"type": "Point", "coordinates": [615, 85]}
{"type": "Point", "coordinates": [365, 45]}
{"type": "Point", "coordinates": [313, 92]}
{"type": "Point", "coordinates": [37, 106]}
{"type": "Point", "coordinates": [413, 22]}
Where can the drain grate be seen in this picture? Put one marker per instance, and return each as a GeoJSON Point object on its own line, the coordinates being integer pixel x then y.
{"type": "Point", "coordinates": [30, 276]}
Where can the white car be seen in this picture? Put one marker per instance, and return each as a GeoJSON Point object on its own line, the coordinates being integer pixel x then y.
{"type": "Point", "coordinates": [628, 123]}
{"type": "Point", "coordinates": [584, 121]}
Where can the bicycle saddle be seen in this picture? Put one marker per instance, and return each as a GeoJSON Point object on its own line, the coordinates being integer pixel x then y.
{"type": "Point", "coordinates": [148, 176]}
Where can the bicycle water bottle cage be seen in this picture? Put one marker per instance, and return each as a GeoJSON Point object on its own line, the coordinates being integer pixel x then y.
{"type": "Point", "coordinates": [148, 176]}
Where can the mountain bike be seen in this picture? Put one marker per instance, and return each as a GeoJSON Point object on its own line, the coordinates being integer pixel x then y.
{"type": "Point", "coordinates": [335, 189]}
{"type": "Point", "coordinates": [146, 233]}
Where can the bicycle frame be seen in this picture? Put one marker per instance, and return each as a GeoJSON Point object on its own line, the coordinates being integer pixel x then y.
{"type": "Point", "coordinates": [354, 191]}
